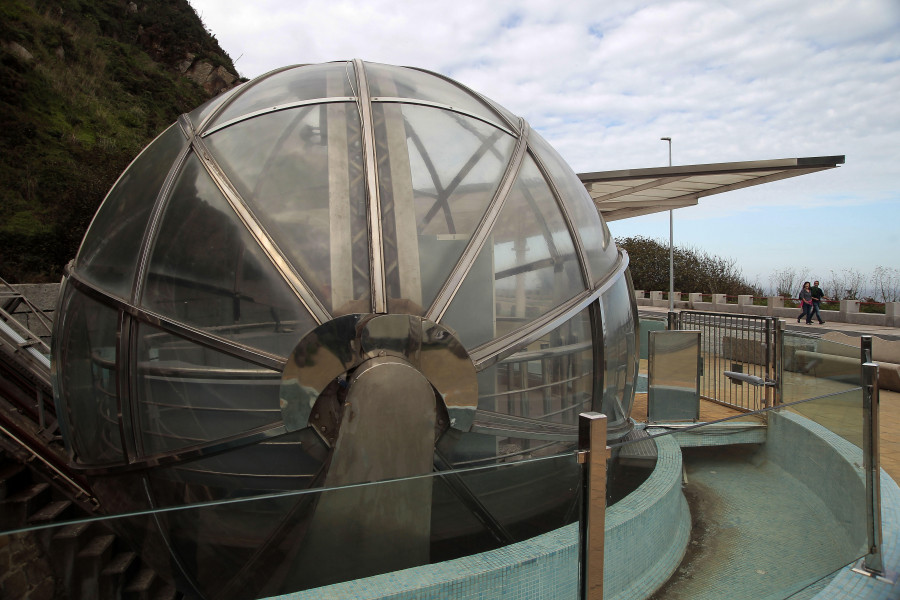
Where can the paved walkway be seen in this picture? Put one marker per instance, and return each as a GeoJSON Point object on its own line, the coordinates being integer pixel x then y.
{"type": "Point", "coordinates": [889, 414]}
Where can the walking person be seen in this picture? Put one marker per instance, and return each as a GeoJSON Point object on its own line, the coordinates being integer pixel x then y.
{"type": "Point", "coordinates": [817, 296]}
{"type": "Point", "coordinates": [805, 298]}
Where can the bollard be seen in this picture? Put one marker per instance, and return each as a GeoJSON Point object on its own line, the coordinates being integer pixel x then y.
{"type": "Point", "coordinates": [592, 455]}
{"type": "Point", "coordinates": [873, 562]}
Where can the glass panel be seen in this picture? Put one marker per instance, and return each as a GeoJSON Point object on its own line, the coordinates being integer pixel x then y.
{"type": "Point", "coordinates": [533, 261]}
{"type": "Point", "coordinates": [783, 482]}
{"type": "Point", "coordinates": [293, 85]}
{"type": "Point", "coordinates": [88, 381]}
{"type": "Point", "coordinates": [301, 173]}
{"type": "Point", "coordinates": [208, 271]}
{"type": "Point", "coordinates": [619, 354]}
{"type": "Point", "coordinates": [438, 171]}
{"type": "Point", "coordinates": [400, 82]}
{"type": "Point", "coordinates": [815, 367]}
{"type": "Point", "coordinates": [204, 110]}
{"type": "Point", "coordinates": [594, 233]}
{"type": "Point", "coordinates": [550, 380]}
{"type": "Point", "coordinates": [109, 253]}
{"type": "Point", "coordinates": [217, 543]}
{"type": "Point", "coordinates": [189, 394]}
{"type": "Point", "coordinates": [674, 376]}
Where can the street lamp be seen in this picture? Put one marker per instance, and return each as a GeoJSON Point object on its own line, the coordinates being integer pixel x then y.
{"type": "Point", "coordinates": [671, 246]}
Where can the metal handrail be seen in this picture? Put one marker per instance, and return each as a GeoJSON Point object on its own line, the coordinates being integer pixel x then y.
{"type": "Point", "coordinates": [46, 323]}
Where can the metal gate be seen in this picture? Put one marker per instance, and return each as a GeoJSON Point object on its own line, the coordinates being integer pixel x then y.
{"type": "Point", "coordinates": [739, 357]}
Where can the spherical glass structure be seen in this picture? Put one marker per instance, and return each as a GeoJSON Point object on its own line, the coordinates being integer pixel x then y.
{"type": "Point", "coordinates": [332, 266]}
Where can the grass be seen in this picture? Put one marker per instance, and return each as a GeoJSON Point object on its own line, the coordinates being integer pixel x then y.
{"type": "Point", "coordinates": [99, 86]}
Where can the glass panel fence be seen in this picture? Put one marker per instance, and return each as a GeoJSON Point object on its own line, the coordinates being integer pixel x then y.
{"type": "Point", "coordinates": [816, 367]}
{"type": "Point", "coordinates": [237, 545]}
{"type": "Point", "coordinates": [739, 505]}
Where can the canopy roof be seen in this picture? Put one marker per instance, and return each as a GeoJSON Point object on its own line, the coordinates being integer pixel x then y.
{"type": "Point", "coordinates": [635, 192]}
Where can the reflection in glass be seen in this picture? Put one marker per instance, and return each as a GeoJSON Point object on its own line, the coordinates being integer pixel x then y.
{"type": "Point", "coordinates": [438, 171]}
{"type": "Point", "coordinates": [291, 85]}
{"type": "Point", "coordinates": [206, 270]}
{"type": "Point", "coordinates": [533, 260]}
{"type": "Point", "coordinates": [200, 113]}
{"type": "Point", "coordinates": [89, 399]}
{"type": "Point", "coordinates": [109, 253]}
{"type": "Point", "coordinates": [549, 380]}
{"type": "Point", "coordinates": [189, 395]}
{"type": "Point", "coordinates": [591, 227]}
{"type": "Point", "coordinates": [620, 360]}
{"type": "Point", "coordinates": [397, 82]}
{"type": "Point", "coordinates": [674, 376]}
{"type": "Point", "coordinates": [241, 546]}
{"type": "Point", "coordinates": [814, 367]}
{"type": "Point", "coordinates": [300, 171]}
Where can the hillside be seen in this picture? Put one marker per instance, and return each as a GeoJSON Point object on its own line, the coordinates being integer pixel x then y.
{"type": "Point", "coordinates": [86, 84]}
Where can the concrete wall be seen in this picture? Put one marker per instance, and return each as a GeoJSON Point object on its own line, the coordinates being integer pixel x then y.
{"type": "Point", "coordinates": [848, 313]}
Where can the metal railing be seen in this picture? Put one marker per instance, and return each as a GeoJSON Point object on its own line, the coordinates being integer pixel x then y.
{"type": "Point", "coordinates": [592, 449]}
{"type": "Point", "coordinates": [739, 358]}
{"type": "Point", "coordinates": [26, 319]}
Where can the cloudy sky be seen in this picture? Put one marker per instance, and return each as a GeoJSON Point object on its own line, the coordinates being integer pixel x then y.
{"type": "Point", "coordinates": [603, 81]}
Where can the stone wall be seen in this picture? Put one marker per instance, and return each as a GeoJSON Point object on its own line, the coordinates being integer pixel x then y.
{"type": "Point", "coordinates": [24, 569]}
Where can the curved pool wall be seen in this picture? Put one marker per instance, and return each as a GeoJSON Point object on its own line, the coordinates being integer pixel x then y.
{"type": "Point", "coordinates": [636, 562]}
{"type": "Point", "coordinates": [546, 566]}
{"type": "Point", "coordinates": [803, 441]}
{"type": "Point", "coordinates": [800, 447]}
{"type": "Point", "coordinates": [647, 532]}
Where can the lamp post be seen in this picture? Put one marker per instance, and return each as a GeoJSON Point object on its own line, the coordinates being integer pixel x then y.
{"type": "Point", "coordinates": [671, 246]}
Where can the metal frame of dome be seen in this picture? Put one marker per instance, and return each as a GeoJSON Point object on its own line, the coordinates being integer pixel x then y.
{"type": "Point", "coordinates": [334, 257]}
{"type": "Point", "coordinates": [483, 355]}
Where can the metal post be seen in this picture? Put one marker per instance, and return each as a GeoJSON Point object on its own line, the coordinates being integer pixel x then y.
{"type": "Point", "coordinates": [779, 362]}
{"type": "Point", "coordinates": [592, 454]}
{"type": "Point", "coordinates": [671, 257]}
{"type": "Point", "coordinates": [865, 349]}
{"type": "Point", "coordinates": [671, 241]}
{"type": "Point", "coordinates": [873, 562]}
{"type": "Point", "coordinates": [671, 320]}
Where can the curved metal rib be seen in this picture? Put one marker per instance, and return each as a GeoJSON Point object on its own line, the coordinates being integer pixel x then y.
{"type": "Point", "coordinates": [275, 255]}
{"type": "Point", "coordinates": [278, 108]}
{"type": "Point", "coordinates": [476, 242]}
{"type": "Point", "coordinates": [243, 90]}
{"type": "Point", "coordinates": [491, 352]}
{"type": "Point", "coordinates": [447, 107]}
{"type": "Point", "coordinates": [573, 230]}
{"type": "Point", "coordinates": [373, 195]}
{"type": "Point", "coordinates": [182, 330]}
{"type": "Point", "coordinates": [184, 455]}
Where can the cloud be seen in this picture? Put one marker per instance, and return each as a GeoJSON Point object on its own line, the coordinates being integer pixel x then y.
{"type": "Point", "coordinates": [603, 81]}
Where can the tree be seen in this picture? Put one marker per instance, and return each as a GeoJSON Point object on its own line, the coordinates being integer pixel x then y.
{"type": "Point", "coordinates": [695, 270]}
{"type": "Point", "coordinates": [886, 284]}
{"type": "Point", "coordinates": [786, 282]}
{"type": "Point", "coordinates": [845, 285]}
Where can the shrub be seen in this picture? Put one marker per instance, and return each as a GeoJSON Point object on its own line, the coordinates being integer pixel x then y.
{"type": "Point", "coordinates": [695, 270]}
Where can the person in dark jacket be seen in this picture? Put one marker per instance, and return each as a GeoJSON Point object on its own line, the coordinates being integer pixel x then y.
{"type": "Point", "coordinates": [805, 298]}
{"type": "Point", "coordinates": [817, 295]}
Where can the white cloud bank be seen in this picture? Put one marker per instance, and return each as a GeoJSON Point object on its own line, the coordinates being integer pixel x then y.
{"type": "Point", "coordinates": [603, 81]}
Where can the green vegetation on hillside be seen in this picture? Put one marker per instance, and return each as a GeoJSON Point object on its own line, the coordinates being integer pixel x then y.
{"type": "Point", "coordinates": [85, 85]}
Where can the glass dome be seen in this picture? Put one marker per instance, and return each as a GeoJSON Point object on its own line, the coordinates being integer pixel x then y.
{"type": "Point", "coordinates": [303, 239]}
